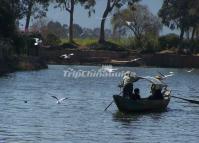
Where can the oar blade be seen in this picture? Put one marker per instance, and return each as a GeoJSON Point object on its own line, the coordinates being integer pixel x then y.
{"type": "Point", "coordinates": [189, 100]}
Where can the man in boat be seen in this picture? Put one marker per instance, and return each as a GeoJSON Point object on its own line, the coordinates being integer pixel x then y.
{"type": "Point", "coordinates": [156, 89]}
{"type": "Point", "coordinates": [127, 83]}
{"type": "Point", "coordinates": [136, 94]}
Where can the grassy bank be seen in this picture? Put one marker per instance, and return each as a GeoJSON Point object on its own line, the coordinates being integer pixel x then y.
{"type": "Point", "coordinates": [92, 44]}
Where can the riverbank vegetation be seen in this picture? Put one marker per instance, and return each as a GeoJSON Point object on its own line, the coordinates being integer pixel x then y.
{"type": "Point", "coordinates": [16, 47]}
{"type": "Point", "coordinates": [134, 27]}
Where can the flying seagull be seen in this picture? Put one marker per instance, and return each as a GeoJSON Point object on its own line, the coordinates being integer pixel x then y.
{"type": "Point", "coordinates": [168, 75]}
{"type": "Point", "coordinates": [190, 70]}
{"type": "Point", "coordinates": [37, 41]}
{"type": "Point", "coordinates": [59, 100]}
{"type": "Point", "coordinates": [134, 60]}
{"type": "Point", "coordinates": [163, 76]}
{"type": "Point", "coordinates": [110, 70]}
{"type": "Point", "coordinates": [153, 80]}
{"type": "Point", "coordinates": [65, 56]}
{"type": "Point", "coordinates": [128, 23]}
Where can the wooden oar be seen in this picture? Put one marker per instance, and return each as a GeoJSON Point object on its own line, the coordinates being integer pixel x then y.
{"type": "Point", "coordinates": [110, 104]}
{"type": "Point", "coordinates": [191, 101]}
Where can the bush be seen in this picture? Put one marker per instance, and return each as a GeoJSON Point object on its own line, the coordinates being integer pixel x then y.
{"type": "Point", "coordinates": [106, 46]}
{"type": "Point", "coordinates": [169, 41]}
{"type": "Point", "coordinates": [52, 39]}
{"type": "Point", "coordinates": [24, 43]}
{"type": "Point", "coordinates": [151, 44]}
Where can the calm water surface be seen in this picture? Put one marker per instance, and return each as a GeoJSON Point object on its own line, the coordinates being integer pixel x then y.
{"type": "Point", "coordinates": [81, 119]}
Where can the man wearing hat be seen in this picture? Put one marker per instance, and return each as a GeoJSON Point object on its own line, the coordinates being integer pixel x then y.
{"type": "Point", "coordinates": [156, 89]}
{"type": "Point", "coordinates": [127, 83]}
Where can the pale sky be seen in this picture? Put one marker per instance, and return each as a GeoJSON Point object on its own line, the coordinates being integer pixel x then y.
{"type": "Point", "coordinates": [81, 15]}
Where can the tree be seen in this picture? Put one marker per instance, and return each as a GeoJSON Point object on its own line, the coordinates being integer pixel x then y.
{"type": "Point", "coordinates": [111, 4]}
{"type": "Point", "coordinates": [140, 21]}
{"type": "Point", "coordinates": [180, 14]}
{"type": "Point", "coordinates": [48, 28]}
{"type": "Point", "coordinates": [69, 6]}
{"type": "Point", "coordinates": [9, 13]}
{"type": "Point", "coordinates": [40, 26]}
{"type": "Point", "coordinates": [36, 8]}
{"type": "Point", "coordinates": [194, 17]}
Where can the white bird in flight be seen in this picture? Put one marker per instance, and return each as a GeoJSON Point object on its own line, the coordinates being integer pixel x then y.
{"type": "Point", "coordinates": [168, 75]}
{"type": "Point", "coordinates": [110, 70]}
{"type": "Point", "coordinates": [37, 41]}
{"type": "Point", "coordinates": [190, 70]}
{"type": "Point", "coordinates": [134, 60]}
{"type": "Point", "coordinates": [65, 56]}
{"type": "Point", "coordinates": [165, 76]}
{"type": "Point", "coordinates": [59, 100]}
{"type": "Point", "coordinates": [128, 23]}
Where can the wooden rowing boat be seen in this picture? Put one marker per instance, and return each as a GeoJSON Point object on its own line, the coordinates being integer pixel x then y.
{"type": "Point", "coordinates": [125, 63]}
{"type": "Point", "coordinates": [142, 105]}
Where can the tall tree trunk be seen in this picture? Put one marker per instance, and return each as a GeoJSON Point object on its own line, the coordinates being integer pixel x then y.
{"type": "Point", "coordinates": [193, 33]}
{"type": "Point", "coordinates": [105, 14]}
{"type": "Point", "coordinates": [182, 34]}
{"type": "Point", "coordinates": [28, 16]}
{"type": "Point", "coordinates": [102, 33]}
{"type": "Point", "coordinates": [71, 21]}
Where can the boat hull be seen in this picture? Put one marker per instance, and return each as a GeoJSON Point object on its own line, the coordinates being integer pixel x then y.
{"type": "Point", "coordinates": [143, 105]}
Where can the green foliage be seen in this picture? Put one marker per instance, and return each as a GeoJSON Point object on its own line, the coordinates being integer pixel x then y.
{"type": "Point", "coordinates": [140, 21]}
{"type": "Point", "coordinates": [126, 43]}
{"type": "Point", "coordinates": [69, 5]}
{"type": "Point", "coordinates": [111, 4]}
{"type": "Point", "coordinates": [35, 8]}
{"type": "Point", "coordinates": [151, 44]}
{"type": "Point", "coordinates": [85, 42]}
{"type": "Point", "coordinates": [7, 19]}
{"type": "Point", "coordinates": [52, 39]}
{"type": "Point", "coordinates": [169, 41]}
{"type": "Point", "coordinates": [57, 29]}
{"type": "Point", "coordinates": [24, 43]}
{"type": "Point", "coordinates": [180, 14]}
{"type": "Point", "coordinates": [106, 46]}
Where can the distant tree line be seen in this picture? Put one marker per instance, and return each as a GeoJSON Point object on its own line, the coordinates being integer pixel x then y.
{"type": "Point", "coordinates": [129, 20]}
{"type": "Point", "coordinates": [54, 30]}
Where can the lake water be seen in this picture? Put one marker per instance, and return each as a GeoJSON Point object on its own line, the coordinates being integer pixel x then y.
{"type": "Point", "coordinates": [82, 119]}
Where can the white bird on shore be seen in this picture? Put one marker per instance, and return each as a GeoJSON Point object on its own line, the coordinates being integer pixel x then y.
{"type": "Point", "coordinates": [59, 100]}
{"type": "Point", "coordinates": [134, 60]}
{"type": "Point", "coordinates": [65, 56]}
{"type": "Point", "coordinates": [190, 70]}
{"type": "Point", "coordinates": [37, 41]}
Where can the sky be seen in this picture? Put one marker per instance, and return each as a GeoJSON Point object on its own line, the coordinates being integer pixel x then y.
{"type": "Point", "coordinates": [81, 15]}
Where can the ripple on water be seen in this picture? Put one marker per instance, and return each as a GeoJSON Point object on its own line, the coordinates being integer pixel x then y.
{"type": "Point", "coordinates": [81, 118]}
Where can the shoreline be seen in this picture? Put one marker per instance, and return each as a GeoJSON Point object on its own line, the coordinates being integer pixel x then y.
{"type": "Point", "coordinates": [96, 58]}
{"type": "Point", "coordinates": [102, 57]}
{"type": "Point", "coordinates": [14, 64]}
